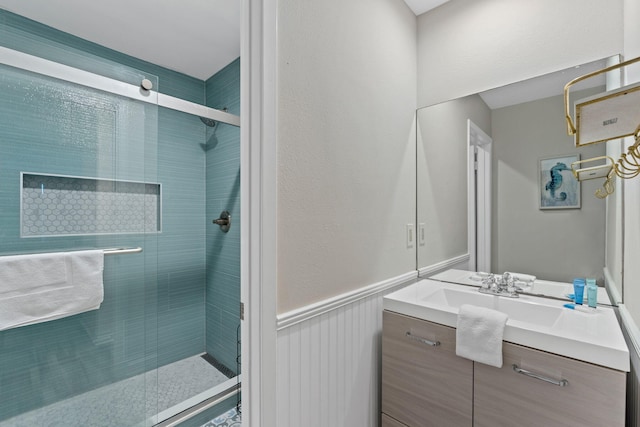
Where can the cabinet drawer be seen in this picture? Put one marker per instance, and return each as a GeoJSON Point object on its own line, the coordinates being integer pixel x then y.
{"type": "Point", "coordinates": [424, 384]}
{"type": "Point", "coordinates": [592, 396]}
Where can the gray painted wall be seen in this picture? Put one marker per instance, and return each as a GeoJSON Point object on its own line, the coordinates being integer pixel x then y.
{"type": "Point", "coordinates": [551, 244]}
{"type": "Point", "coordinates": [442, 175]}
{"type": "Point", "coordinates": [469, 46]}
{"type": "Point", "coordinates": [346, 93]}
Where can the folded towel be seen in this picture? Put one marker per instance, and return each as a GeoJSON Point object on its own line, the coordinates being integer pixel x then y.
{"type": "Point", "coordinates": [479, 334]}
{"type": "Point", "coordinates": [41, 287]}
{"type": "Point", "coordinates": [522, 277]}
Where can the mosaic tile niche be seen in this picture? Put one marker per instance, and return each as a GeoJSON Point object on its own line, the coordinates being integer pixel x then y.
{"type": "Point", "coordinates": [66, 205]}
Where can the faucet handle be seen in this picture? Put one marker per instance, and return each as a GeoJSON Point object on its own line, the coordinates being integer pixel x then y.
{"type": "Point", "coordinates": [488, 281]}
{"type": "Point", "coordinates": [509, 283]}
{"type": "Point", "coordinates": [500, 285]}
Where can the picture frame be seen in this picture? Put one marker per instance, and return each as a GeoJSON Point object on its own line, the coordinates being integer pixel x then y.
{"type": "Point", "coordinates": [558, 188]}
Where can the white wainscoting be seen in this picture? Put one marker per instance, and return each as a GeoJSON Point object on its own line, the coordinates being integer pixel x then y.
{"type": "Point", "coordinates": [328, 370]}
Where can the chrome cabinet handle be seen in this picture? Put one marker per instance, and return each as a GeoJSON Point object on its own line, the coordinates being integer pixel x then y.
{"type": "Point", "coordinates": [559, 383]}
{"type": "Point", "coordinates": [423, 340]}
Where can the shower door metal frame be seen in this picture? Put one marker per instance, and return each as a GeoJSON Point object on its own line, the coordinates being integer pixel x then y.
{"type": "Point", "coordinates": [34, 64]}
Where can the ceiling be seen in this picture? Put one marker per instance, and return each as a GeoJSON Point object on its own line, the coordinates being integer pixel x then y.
{"type": "Point", "coordinates": [200, 37]}
{"type": "Point", "coordinates": [421, 6]}
{"type": "Point", "coordinates": [544, 86]}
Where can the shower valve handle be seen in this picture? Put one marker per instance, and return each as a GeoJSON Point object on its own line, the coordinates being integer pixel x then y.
{"type": "Point", "coordinates": [224, 221]}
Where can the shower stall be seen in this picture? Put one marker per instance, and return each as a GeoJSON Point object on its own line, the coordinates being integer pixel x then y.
{"type": "Point", "coordinates": [100, 151]}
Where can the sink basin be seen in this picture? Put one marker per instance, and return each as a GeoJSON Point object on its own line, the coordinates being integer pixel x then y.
{"type": "Point", "coordinates": [529, 312]}
{"type": "Point", "coordinates": [553, 289]}
{"type": "Point", "coordinates": [456, 298]}
{"type": "Point", "coordinates": [516, 309]}
{"type": "Point", "coordinates": [542, 323]}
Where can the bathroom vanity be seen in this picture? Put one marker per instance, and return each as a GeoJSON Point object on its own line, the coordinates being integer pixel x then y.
{"type": "Point", "coordinates": [560, 366]}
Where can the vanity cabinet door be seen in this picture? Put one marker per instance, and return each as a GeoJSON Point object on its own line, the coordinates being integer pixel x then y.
{"type": "Point", "coordinates": [422, 384]}
{"type": "Point", "coordinates": [592, 396]}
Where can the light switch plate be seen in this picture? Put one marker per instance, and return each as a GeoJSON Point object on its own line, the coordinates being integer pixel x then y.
{"type": "Point", "coordinates": [411, 235]}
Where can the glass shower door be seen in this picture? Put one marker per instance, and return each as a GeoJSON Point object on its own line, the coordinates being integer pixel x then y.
{"type": "Point", "coordinates": [78, 171]}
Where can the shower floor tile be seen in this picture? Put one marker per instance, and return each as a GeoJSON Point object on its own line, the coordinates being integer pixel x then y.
{"type": "Point", "coordinates": [128, 402]}
{"type": "Point", "coordinates": [231, 418]}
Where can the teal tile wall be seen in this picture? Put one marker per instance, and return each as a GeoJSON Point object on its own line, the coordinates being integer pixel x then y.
{"type": "Point", "coordinates": [223, 88]}
{"type": "Point", "coordinates": [223, 193]}
{"type": "Point", "coordinates": [181, 247]}
{"type": "Point", "coordinates": [47, 362]}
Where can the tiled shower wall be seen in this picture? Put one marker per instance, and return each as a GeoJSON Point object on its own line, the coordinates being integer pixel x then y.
{"type": "Point", "coordinates": [223, 193]}
{"type": "Point", "coordinates": [44, 363]}
{"type": "Point", "coordinates": [154, 309]}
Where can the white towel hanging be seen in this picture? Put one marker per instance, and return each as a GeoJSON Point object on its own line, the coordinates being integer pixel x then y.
{"type": "Point", "coordinates": [41, 287]}
{"type": "Point", "coordinates": [479, 334]}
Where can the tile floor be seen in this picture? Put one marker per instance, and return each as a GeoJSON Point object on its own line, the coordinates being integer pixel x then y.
{"type": "Point", "coordinates": [231, 418]}
{"type": "Point", "coordinates": [128, 402]}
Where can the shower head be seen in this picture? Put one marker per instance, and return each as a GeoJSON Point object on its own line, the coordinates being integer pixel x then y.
{"type": "Point", "coordinates": [209, 122]}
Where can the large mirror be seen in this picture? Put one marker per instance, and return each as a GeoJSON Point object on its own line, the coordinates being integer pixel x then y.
{"type": "Point", "coordinates": [482, 161]}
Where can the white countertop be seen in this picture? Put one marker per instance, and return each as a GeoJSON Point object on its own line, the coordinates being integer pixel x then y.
{"type": "Point", "coordinates": [536, 322]}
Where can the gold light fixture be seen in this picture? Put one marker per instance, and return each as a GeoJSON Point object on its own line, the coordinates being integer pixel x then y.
{"type": "Point", "coordinates": [582, 172]}
{"type": "Point", "coordinates": [603, 117]}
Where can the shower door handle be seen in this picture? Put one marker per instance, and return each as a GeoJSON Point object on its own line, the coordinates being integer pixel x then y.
{"type": "Point", "coordinates": [224, 221]}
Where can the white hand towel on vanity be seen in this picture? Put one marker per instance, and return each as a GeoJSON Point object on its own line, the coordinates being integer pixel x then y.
{"type": "Point", "coordinates": [41, 287]}
{"type": "Point", "coordinates": [479, 334]}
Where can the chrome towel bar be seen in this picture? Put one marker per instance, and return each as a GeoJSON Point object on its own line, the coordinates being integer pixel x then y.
{"type": "Point", "coordinates": [109, 251]}
{"type": "Point", "coordinates": [122, 251]}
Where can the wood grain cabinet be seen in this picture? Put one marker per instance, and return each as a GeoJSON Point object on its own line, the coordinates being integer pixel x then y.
{"type": "Point", "coordinates": [424, 384]}
{"type": "Point", "coordinates": [547, 390]}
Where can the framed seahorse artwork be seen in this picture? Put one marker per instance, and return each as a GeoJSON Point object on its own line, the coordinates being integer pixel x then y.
{"type": "Point", "coordinates": [559, 189]}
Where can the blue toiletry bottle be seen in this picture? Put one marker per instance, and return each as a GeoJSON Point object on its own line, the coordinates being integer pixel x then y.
{"type": "Point", "coordinates": [592, 293]}
{"type": "Point", "coordinates": [578, 290]}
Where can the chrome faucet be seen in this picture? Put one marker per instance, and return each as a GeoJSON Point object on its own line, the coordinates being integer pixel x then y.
{"type": "Point", "coordinates": [501, 285]}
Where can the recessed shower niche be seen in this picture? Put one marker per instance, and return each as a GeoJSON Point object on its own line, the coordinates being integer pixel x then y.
{"type": "Point", "coordinates": [55, 205]}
